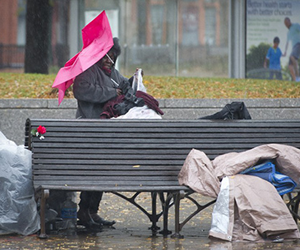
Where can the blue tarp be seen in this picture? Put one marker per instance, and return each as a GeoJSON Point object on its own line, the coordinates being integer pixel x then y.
{"type": "Point", "coordinates": [267, 171]}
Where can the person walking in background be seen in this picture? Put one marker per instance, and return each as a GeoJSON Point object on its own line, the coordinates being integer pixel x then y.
{"type": "Point", "coordinates": [273, 56]}
{"type": "Point", "coordinates": [293, 35]}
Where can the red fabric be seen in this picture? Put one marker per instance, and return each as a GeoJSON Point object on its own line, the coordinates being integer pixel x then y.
{"type": "Point", "coordinates": [150, 101]}
{"type": "Point", "coordinates": [109, 111]}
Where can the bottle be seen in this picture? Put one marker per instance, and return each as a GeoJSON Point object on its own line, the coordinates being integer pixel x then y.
{"type": "Point", "coordinates": [69, 215]}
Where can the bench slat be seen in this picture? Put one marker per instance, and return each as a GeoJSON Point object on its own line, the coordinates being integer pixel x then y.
{"type": "Point", "coordinates": [108, 183]}
{"type": "Point", "coordinates": [113, 172]}
{"type": "Point", "coordinates": [84, 187]}
{"type": "Point", "coordinates": [111, 168]}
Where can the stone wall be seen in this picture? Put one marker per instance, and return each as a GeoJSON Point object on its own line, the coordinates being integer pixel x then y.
{"type": "Point", "coordinates": [14, 112]}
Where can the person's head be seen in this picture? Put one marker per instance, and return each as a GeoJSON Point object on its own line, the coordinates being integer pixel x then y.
{"type": "Point", "coordinates": [276, 42]}
{"type": "Point", "coordinates": [287, 22]}
{"type": "Point", "coordinates": [108, 61]}
{"type": "Point", "coordinates": [116, 48]}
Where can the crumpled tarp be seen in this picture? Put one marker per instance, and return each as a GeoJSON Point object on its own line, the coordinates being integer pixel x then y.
{"type": "Point", "coordinates": [249, 208]}
{"type": "Point", "coordinates": [267, 171]}
{"type": "Point", "coordinates": [286, 159]}
{"type": "Point", "coordinates": [18, 210]}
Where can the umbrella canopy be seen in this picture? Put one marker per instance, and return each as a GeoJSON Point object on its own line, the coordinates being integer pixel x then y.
{"type": "Point", "coordinates": [97, 41]}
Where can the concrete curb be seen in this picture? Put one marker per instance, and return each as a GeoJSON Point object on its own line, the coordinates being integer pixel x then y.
{"type": "Point", "coordinates": [14, 112]}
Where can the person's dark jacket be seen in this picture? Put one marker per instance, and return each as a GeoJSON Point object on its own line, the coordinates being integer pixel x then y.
{"type": "Point", "coordinates": [93, 88]}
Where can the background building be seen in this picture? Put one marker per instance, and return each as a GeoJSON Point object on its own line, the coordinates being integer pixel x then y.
{"type": "Point", "coordinates": [164, 37]}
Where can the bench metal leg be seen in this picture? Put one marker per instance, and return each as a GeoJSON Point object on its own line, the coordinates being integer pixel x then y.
{"type": "Point", "coordinates": [296, 209]}
{"type": "Point", "coordinates": [293, 204]}
{"type": "Point", "coordinates": [44, 197]}
{"type": "Point", "coordinates": [154, 217]}
{"type": "Point", "coordinates": [177, 234]}
{"type": "Point", "coordinates": [165, 208]}
{"type": "Point", "coordinates": [198, 210]}
{"type": "Point", "coordinates": [179, 225]}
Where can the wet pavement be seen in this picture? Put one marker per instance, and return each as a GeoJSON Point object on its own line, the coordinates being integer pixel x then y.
{"type": "Point", "coordinates": [131, 232]}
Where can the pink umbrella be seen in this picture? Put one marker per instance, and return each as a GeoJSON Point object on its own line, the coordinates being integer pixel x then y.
{"type": "Point", "coordinates": [97, 41]}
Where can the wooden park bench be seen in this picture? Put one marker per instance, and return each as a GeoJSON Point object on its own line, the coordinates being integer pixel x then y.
{"type": "Point", "coordinates": [134, 156]}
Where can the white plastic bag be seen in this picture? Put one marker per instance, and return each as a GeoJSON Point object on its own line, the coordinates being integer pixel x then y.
{"type": "Point", "coordinates": [137, 84]}
{"type": "Point", "coordinates": [140, 113]}
{"type": "Point", "coordinates": [220, 225]}
{"type": "Point", "coordinates": [18, 211]}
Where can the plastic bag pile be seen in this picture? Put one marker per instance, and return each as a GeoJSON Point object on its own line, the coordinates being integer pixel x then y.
{"type": "Point", "coordinates": [18, 210]}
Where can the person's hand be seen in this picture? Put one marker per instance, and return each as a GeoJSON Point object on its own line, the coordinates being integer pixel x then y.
{"type": "Point", "coordinates": [124, 86]}
{"type": "Point", "coordinates": [284, 54]}
{"type": "Point", "coordinates": [119, 92]}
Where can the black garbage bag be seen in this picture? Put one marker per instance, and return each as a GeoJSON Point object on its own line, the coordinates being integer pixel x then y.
{"type": "Point", "coordinates": [232, 111]}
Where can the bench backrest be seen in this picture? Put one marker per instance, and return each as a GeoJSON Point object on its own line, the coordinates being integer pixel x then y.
{"type": "Point", "coordinates": [132, 155]}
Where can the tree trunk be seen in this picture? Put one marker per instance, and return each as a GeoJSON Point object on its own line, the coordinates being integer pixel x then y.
{"type": "Point", "coordinates": [37, 36]}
